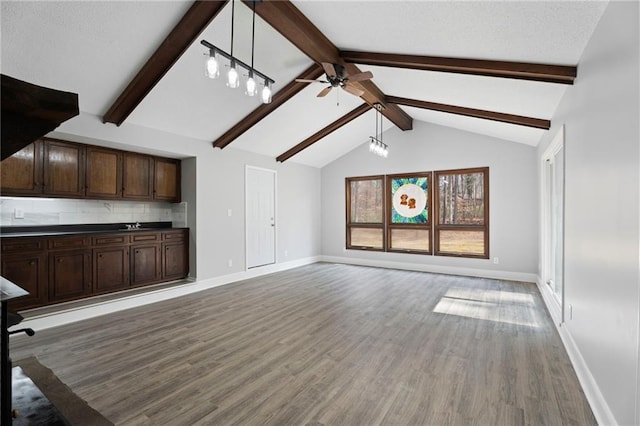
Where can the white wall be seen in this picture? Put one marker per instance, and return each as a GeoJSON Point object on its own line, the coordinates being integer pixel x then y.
{"type": "Point", "coordinates": [601, 117]}
{"type": "Point", "coordinates": [213, 183]}
{"type": "Point", "coordinates": [513, 200]}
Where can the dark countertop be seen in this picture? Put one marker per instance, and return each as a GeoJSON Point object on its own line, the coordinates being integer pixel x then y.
{"type": "Point", "coordinates": [52, 230]}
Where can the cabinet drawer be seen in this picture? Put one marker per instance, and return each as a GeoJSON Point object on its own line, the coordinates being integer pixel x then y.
{"type": "Point", "coordinates": [12, 245]}
{"type": "Point", "coordinates": [68, 242]}
{"type": "Point", "coordinates": [174, 236]}
{"type": "Point", "coordinates": [144, 238]}
{"type": "Point", "coordinates": [110, 239]}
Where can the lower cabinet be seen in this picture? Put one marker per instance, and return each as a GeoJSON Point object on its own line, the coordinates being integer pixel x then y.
{"type": "Point", "coordinates": [145, 264]}
{"type": "Point", "coordinates": [175, 260]}
{"type": "Point", "coordinates": [110, 269]}
{"type": "Point", "coordinates": [69, 274]}
{"type": "Point", "coordinates": [29, 271]}
{"type": "Point", "coordinates": [57, 269]}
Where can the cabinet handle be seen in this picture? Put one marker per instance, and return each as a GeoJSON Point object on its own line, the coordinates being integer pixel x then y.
{"type": "Point", "coordinates": [33, 262]}
{"type": "Point", "coordinates": [137, 251]}
{"type": "Point", "coordinates": [59, 260]}
{"type": "Point", "coordinates": [99, 255]}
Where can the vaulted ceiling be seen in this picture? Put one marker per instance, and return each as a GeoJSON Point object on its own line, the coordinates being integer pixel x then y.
{"type": "Point", "coordinates": [494, 68]}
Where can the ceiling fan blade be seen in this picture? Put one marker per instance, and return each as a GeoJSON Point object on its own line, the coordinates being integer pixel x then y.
{"type": "Point", "coordinates": [302, 80]}
{"type": "Point", "coordinates": [367, 75]}
{"type": "Point", "coordinates": [324, 92]}
{"type": "Point", "coordinates": [353, 90]}
{"type": "Point", "coordinates": [329, 69]}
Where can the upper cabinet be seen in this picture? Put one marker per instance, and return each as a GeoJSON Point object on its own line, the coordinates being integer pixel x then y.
{"type": "Point", "coordinates": [21, 173]}
{"type": "Point", "coordinates": [167, 180]}
{"type": "Point", "coordinates": [63, 169]}
{"type": "Point", "coordinates": [54, 168]}
{"type": "Point", "coordinates": [103, 173]}
{"type": "Point", "coordinates": [137, 178]}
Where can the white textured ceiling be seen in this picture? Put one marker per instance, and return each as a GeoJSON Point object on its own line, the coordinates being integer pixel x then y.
{"type": "Point", "coordinates": [95, 48]}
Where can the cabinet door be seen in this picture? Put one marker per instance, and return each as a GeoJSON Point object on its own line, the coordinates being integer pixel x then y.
{"type": "Point", "coordinates": [63, 169]}
{"type": "Point", "coordinates": [175, 260]}
{"type": "Point", "coordinates": [103, 173]}
{"type": "Point", "coordinates": [167, 180]}
{"type": "Point", "coordinates": [29, 271]}
{"type": "Point", "coordinates": [137, 179]}
{"type": "Point", "coordinates": [110, 269]}
{"type": "Point", "coordinates": [145, 264]}
{"type": "Point", "coordinates": [69, 274]}
{"type": "Point", "coordinates": [22, 172]}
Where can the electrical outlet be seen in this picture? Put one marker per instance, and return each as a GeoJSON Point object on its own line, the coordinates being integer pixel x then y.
{"type": "Point", "coordinates": [229, 212]}
{"type": "Point", "coordinates": [230, 263]}
{"type": "Point", "coordinates": [496, 260]}
{"type": "Point", "coordinates": [18, 213]}
{"type": "Point", "coordinates": [286, 253]}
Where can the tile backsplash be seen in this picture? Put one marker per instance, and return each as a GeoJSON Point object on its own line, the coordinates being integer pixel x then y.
{"type": "Point", "coordinates": [58, 211]}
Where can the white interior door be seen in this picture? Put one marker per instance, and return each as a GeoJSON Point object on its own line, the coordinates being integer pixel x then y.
{"type": "Point", "coordinates": [553, 223]}
{"type": "Point", "coordinates": [260, 216]}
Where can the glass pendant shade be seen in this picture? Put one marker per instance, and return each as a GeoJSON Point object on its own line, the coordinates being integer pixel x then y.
{"type": "Point", "coordinates": [266, 93]}
{"type": "Point", "coordinates": [213, 66]}
{"type": "Point", "coordinates": [251, 85]}
{"type": "Point", "coordinates": [233, 79]}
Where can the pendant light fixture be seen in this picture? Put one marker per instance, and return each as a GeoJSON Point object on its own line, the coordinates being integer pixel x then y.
{"type": "Point", "coordinates": [233, 77]}
{"type": "Point", "coordinates": [376, 145]}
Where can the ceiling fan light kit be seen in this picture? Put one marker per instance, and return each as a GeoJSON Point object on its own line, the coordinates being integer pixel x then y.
{"type": "Point", "coordinates": [336, 76]}
{"type": "Point", "coordinates": [233, 77]}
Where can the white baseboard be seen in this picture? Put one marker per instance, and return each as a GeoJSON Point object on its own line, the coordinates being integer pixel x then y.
{"type": "Point", "coordinates": [438, 269]}
{"type": "Point", "coordinates": [71, 315]}
{"type": "Point", "coordinates": [598, 404]}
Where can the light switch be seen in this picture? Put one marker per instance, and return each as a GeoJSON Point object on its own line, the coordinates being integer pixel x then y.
{"type": "Point", "coordinates": [18, 213]}
{"type": "Point", "coordinates": [229, 212]}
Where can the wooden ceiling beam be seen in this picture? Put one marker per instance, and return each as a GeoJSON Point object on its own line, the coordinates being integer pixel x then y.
{"type": "Point", "coordinates": [505, 69]}
{"type": "Point", "coordinates": [197, 18]}
{"type": "Point", "coordinates": [472, 112]}
{"type": "Point", "coordinates": [285, 18]}
{"type": "Point", "coordinates": [30, 111]}
{"type": "Point", "coordinates": [279, 98]}
{"type": "Point", "coordinates": [347, 118]}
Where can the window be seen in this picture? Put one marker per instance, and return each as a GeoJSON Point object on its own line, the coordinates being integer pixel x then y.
{"type": "Point", "coordinates": [462, 212]}
{"type": "Point", "coordinates": [452, 222]}
{"type": "Point", "coordinates": [365, 213]}
{"type": "Point", "coordinates": [409, 213]}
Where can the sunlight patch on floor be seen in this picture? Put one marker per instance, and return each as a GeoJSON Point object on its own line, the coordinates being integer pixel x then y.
{"type": "Point", "coordinates": [490, 305]}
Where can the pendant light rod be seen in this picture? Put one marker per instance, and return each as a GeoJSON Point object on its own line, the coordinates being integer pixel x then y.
{"type": "Point", "coordinates": [233, 8]}
{"type": "Point", "coordinates": [236, 60]}
{"type": "Point", "coordinates": [253, 33]}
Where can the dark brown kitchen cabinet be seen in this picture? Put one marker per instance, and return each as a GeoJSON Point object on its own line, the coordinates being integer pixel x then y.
{"type": "Point", "coordinates": [110, 269]}
{"type": "Point", "coordinates": [175, 255]}
{"type": "Point", "coordinates": [103, 173]}
{"type": "Point", "coordinates": [60, 169]}
{"type": "Point", "coordinates": [137, 176]}
{"type": "Point", "coordinates": [64, 169]}
{"type": "Point", "coordinates": [69, 274]}
{"type": "Point", "coordinates": [68, 267]}
{"type": "Point", "coordinates": [145, 264]}
{"type": "Point", "coordinates": [166, 183]}
{"type": "Point", "coordinates": [21, 173]}
{"type": "Point", "coordinates": [29, 271]}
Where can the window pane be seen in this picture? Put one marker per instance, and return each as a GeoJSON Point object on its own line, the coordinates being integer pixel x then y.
{"type": "Point", "coordinates": [464, 242]}
{"type": "Point", "coordinates": [366, 237]}
{"type": "Point", "coordinates": [410, 239]}
{"type": "Point", "coordinates": [409, 200]}
{"type": "Point", "coordinates": [461, 199]}
{"type": "Point", "coordinates": [366, 201]}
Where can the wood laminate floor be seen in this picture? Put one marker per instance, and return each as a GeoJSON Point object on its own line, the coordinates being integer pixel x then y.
{"type": "Point", "coordinates": [324, 344]}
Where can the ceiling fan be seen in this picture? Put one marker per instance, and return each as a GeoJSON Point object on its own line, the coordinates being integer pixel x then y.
{"type": "Point", "coordinates": [337, 77]}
